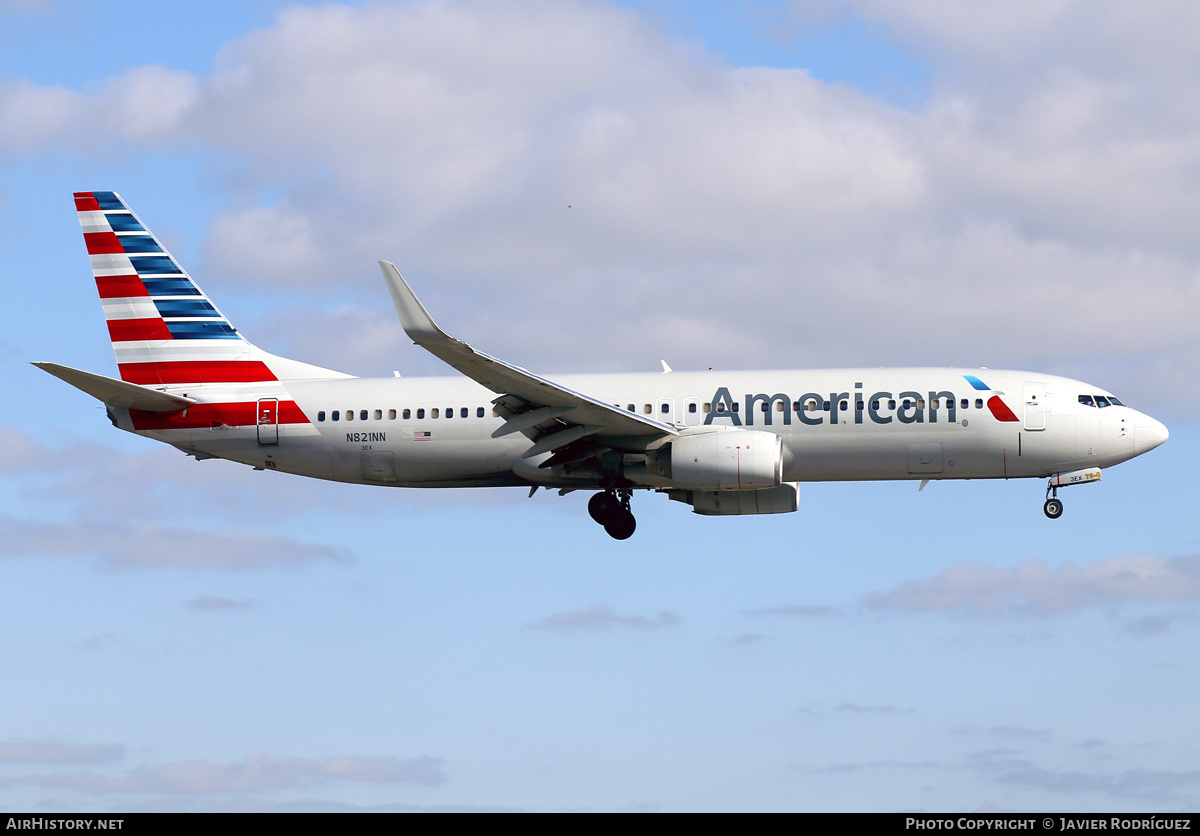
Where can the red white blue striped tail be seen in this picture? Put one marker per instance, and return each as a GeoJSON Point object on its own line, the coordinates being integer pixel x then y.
{"type": "Point", "coordinates": [164, 329]}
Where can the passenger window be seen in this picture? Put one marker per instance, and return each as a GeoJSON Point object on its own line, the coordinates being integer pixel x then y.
{"type": "Point", "coordinates": [479, 412]}
{"type": "Point", "coordinates": [630, 408]}
{"type": "Point", "coordinates": [434, 413]}
{"type": "Point", "coordinates": [692, 408]}
{"type": "Point", "coordinates": [907, 403]}
{"type": "Point", "coordinates": [891, 404]}
{"type": "Point", "coordinates": [858, 405]}
{"type": "Point", "coordinates": [875, 405]}
{"type": "Point", "coordinates": [646, 408]}
{"type": "Point", "coordinates": [766, 407]}
{"type": "Point", "coordinates": [920, 403]}
{"type": "Point", "coordinates": [708, 408]}
{"type": "Point", "coordinates": [825, 407]}
{"type": "Point", "coordinates": [321, 415]}
{"type": "Point", "coordinates": [737, 407]}
{"type": "Point", "coordinates": [449, 412]}
{"type": "Point", "coordinates": [720, 406]}
{"type": "Point", "coordinates": [779, 406]}
{"type": "Point", "coordinates": [813, 406]}
{"type": "Point", "coordinates": [844, 406]}
{"type": "Point", "coordinates": [407, 414]}
{"type": "Point", "coordinates": [464, 412]}
{"type": "Point", "coordinates": [349, 414]}
{"type": "Point", "coordinates": [964, 404]}
{"type": "Point", "coordinates": [379, 414]}
{"type": "Point", "coordinates": [362, 415]}
{"type": "Point", "coordinates": [665, 408]}
{"type": "Point", "coordinates": [933, 404]}
{"type": "Point", "coordinates": [420, 413]}
{"type": "Point", "coordinates": [979, 403]}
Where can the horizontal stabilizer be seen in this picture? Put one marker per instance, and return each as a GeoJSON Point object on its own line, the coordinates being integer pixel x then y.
{"type": "Point", "coordinates": [118, 393]}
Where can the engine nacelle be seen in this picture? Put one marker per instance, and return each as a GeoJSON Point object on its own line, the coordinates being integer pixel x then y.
{"type": "Point", "coordinates": [729, 460]}
{"type": "Point", "coordinates": [781, 500]}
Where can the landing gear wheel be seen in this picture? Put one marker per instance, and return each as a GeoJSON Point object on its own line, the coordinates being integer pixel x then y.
{"type": "Point", "coordinates": [621, 526]}
{"type": "Point", "coordinates": [604, 507]}
{"type": "Point", "coordinates": [1053, 508]}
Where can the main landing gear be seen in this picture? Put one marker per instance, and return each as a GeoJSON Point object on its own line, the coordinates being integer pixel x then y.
{"type": "Point", "coordinates": [1053, 506]}
{"type": "Point", "coordinates": [611, 509]}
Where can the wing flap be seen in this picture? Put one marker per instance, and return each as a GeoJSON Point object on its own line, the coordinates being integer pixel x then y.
{"type": "Point", "coordinates": [118, 393]}
{"type": "Point", "coordinates": [559, 439]}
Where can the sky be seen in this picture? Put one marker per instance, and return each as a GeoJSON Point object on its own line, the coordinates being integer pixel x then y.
{"type": "Point", "coordinates": [596, 186]}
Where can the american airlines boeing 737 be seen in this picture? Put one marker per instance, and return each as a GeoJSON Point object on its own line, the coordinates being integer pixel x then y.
{"type": "Point", "coordinates": [725, 443]}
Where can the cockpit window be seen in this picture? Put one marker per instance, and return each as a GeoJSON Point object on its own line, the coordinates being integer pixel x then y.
{"type": "Point", "coordinates": [1100, 401]}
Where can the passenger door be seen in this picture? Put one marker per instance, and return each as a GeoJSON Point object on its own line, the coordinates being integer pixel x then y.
{"type": "Point", "coordinates": [1035, 406]}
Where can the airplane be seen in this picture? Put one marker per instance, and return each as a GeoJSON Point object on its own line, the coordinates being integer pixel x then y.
{"type": "Point", "coordinates": [724, 443]}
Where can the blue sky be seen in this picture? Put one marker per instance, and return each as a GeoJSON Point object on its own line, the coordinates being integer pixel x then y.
{"type": "Point", "coordinates": [774, 186]}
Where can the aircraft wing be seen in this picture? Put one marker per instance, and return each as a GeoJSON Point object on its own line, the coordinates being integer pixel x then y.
{"type": "Point", "coordinates": [545, 403]}
{"type": "Point", "coordinates": [118, 393]}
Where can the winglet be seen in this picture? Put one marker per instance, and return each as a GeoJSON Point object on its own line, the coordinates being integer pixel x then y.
{"type": "Point", "coordinates": [417, 322]}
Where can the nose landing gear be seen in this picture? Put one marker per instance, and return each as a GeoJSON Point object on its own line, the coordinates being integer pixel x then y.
{"type": "Point", "coordinates": [1053, 506]}
{"type": "Point", "coordinates": [611, 509]}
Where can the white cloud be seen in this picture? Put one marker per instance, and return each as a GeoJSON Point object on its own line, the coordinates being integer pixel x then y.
{"type": "Point", "coordinates": [603, 617]}
{"type": "Point", "coordinates": [31, 115]}
{"type": "Point", "coordinates": [717, 215]}
{"type": "Point", "coordinates": [858, 708]}
{"type": "Point", "coordinates": [1037, 588]}
{"type": "Point", "coordinates": [221, 603]}
{"type": "Point", "coordinates": [254, 804]}
{"type": "Point", "coordinates": [148, 103]}
{"type": "Point", "coordinates": [794, 611]}
{"type": "Point", "coordinates": [19, 451]}
{"type": "Point", "coordinates": [1177, 787]}
{"type": "Point", "coordinates": [256, 773]}
{"type": "Point", "coordinates": [20, 750]}
{"type": "Point", "coordinates": [349, 338]}
{"type": "Point", "coordinates": [101, 641]}
{"type": "Point", "coordinates": [105, 483]}
{"type": "Point", "coordinates": [126, 545]}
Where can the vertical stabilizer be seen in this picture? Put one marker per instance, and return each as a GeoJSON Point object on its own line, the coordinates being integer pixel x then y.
{"type": "Point", "coordinates": [164, 329]}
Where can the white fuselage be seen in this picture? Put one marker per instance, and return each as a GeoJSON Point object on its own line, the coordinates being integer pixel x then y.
{"type": "Point", "coordinates": [867, 424]}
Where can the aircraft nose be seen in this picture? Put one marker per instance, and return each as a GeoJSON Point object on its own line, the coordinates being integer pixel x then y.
{"type": "Point", "coordinates": [1148, 434]}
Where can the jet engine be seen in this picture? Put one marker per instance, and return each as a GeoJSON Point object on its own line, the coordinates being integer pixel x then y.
{"type": "Point", "coordinates": [730, 460]}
